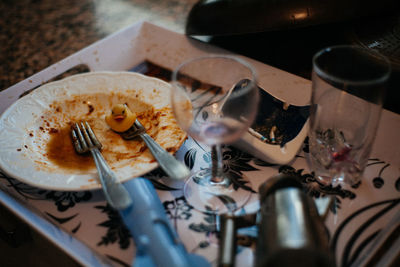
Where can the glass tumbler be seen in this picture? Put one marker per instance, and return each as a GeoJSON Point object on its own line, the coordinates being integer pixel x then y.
{"type": "Point", "coordinates": [348, 89]}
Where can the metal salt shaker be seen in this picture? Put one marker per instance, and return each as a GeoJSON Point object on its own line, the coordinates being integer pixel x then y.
{"type": "Point", "coordinates": [291, 232]}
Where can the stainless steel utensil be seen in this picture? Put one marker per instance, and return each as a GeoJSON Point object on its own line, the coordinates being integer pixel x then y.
{"type": "Point", "coordinates": [290, 224]}
{"type": "Point", "coordinates": [172, 167]}
{"type": "Point", "coordinates": [291, 230]}
{"type": "Point", "coordinates": [85, 140]}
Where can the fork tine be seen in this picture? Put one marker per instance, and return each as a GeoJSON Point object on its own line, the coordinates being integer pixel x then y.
{"type": "Point", "coordinates": [138, 125]}
{"type": "Point", "coordinates": [86, 136]}
{"type": "Point", "coordinates": [92, 135]}
{"type": "Point", "coordinates": [76, 142]}
{"type": "Point", "coordinates": [131, 133]}
{"type": "Point", "coordinates": [81, 139]}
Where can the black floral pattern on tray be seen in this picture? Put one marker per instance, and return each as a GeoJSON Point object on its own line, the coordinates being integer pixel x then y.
{"type": "Point", "coordinates": [358, 241]}
{"type": "Point", "coordinates": [316, 189]}
{"type": "Point", "coordinates": [116, 230]}
{"type": "Point", "coordinates": [207, 226]}
{"type": "Point", "coordinates": [22, 189]}
{"type": "Point", "coordinates": [190, 157]}
{"type": "Point", "coordinates": [235, 163]}
{"type": "Point", "coordinates": [62, 220]}
{"type": "Point", "coordinates": [64, 200]}
{"type": "Point", "coordinates": [378, 181]}
{"type": "Point", "coordinates": [178, 209]}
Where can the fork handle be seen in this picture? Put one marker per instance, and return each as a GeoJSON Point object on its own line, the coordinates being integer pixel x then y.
{"type": "Point", "coordinates": [171, 166]}
{"type": "Point", "coordinates": [115, 193]}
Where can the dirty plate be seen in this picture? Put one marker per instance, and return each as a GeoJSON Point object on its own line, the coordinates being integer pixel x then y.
{"type": "Point", "coordinates": [35, 140]}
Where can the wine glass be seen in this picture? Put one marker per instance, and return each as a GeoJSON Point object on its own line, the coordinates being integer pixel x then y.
{"type": "Point", "coordinates": [215, 100]}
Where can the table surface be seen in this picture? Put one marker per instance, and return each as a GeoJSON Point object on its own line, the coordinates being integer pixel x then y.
{"type": "Point", "coordinates": [36, 34]}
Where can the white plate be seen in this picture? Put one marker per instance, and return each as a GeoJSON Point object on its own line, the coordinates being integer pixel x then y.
{"type": "Point", "coordinates": [36, 127]}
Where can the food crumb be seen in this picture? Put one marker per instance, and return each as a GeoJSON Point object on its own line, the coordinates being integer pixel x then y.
{"type": "Point", "coordinates": [53, 130]}
{"type": "Point", "coordinates": [285, 106]}
{"type": "Point", "coordinates": [91, 109]}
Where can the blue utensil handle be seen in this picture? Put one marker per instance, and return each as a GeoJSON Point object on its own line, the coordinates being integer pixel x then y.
{"type": "Point", "coordinates": [156, 241]}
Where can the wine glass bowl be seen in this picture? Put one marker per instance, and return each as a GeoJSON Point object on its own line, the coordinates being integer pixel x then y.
{"type": "Point", "coordinates": [208, 110]}
{"type": "Point", "coordinates": [215, 100]}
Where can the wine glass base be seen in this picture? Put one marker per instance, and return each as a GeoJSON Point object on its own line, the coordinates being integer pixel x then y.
{"type": "Point", "coordinates": [211, 197]}
{"type": "Point", "coordinates": [337, 179]}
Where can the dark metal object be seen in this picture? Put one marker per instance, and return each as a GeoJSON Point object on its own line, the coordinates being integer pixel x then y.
{"type": "Point", "coordinates": [227, 244]}
{"type": "Point", "coordinates": [225, 17]}
{"type": "Point", "coordinates": [381, 34]}
{"type": "Point", "coordinates": [291, 231]}
{"type": "Point", "coordinates": [228, 240]}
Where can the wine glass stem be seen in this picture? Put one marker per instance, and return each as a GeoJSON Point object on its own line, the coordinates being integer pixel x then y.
{"type": "Point", "coordinates": [217, 164]}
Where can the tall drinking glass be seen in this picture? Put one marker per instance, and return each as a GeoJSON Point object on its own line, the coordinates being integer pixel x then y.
{"type": "Point", "coordinates": [215, 100]}
{"type": "Point", "coordinates": [348, 88]}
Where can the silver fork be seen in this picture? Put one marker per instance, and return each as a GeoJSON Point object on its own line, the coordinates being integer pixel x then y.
{"type": "Point", "coordinates": [85, 140]}
{"type": "Point", "coordinates": [172, 167]}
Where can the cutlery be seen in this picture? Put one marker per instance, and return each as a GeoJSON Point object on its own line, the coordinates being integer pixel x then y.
{"type": "Point", "coordinates": [171, 166]}
{"type": "Point", "coordinates": [156, 240]}
{"type": "Point", "coordinates": [85, 140]}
